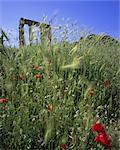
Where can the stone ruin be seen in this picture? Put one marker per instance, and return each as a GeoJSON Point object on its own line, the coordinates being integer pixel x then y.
{"type": "Point", "coordinates": [45, 31]}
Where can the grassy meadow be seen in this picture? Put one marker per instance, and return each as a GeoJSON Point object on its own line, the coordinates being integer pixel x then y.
{"type": "Point", "coordinates": [53, 94]}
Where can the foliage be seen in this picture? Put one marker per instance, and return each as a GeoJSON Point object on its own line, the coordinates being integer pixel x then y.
{"type": "Point", "coordinates": [76, 85]}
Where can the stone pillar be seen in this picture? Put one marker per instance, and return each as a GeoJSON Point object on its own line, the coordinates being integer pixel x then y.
{"type": "Point", "coordinates": [30, 35]}
{"type": "Point", "coordinates": [1, 40]}
{"type": "Point", "coordinates": [45, 33]}
{"type": "Point", "coordinates": [21, 33]}
{"type": "Point", "coordinates": [49, 34]}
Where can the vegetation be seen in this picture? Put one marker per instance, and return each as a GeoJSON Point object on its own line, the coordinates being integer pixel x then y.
{"type": "Point", "coordinates": [51, 95]}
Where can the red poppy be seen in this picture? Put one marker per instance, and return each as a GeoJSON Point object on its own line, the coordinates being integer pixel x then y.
{"type": "Point", "coordinates": [36, 67]}
{"type": "Point", "coordinates": [97, 127]}
{"type": "Point", "coordinates": [106, 83]}
{"type": "Point", "coordinates": [3, 100]}
{"type": "Point", "coordinates": [104, 140]}
{"type": "Point", "coordinates": [21, 77]}
{"type": "Point", "coordinates": [63, 146]}
{"type": "Point", "coordinates": [91, 92]}
{"type": "Point", "coordinates": [37, 76]}
{"type": "Point", "coordinates": [50, 108]}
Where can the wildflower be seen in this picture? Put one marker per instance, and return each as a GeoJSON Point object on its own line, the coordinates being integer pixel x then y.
{"type": "Point", "coordinates": [63, 146]}
{"type": "Point", "coordinates": [97, 127]}
{"type": "Point", "coordinates": [104, 140]}
{"type": "Point", "coordinates": [91, 92]}
{"type": "Point", "coordinates": [36, 67]}
{"type": "Point", "coordinates": [102, 137]}
{"type": "Point", "coordinates": [37, 76]}
{"type": "Point", "coordinates": [3, 100]}
{"type": "Point", "coordinates": [21, 77]}
{"type": "Point", "coordinates": [106, 83]}
{"type": "Point", "coordinates": [50, 108]}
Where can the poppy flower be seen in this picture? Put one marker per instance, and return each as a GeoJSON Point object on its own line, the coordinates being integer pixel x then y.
{"type": "Point", "coordinates": [103, 139]}
{"type": "Point", "coordinates": [97, 127]}
{"type": "Point", "coordinates": [21, 77]}
{"type": "Point", "coordinates": [63, 146]}
{"type": "Point", "coordinates": [3, 100]}
{"type": "Point", "coordinates": [37, 76]}
{"type": "Point", "coordinates": [91, 92]}
{"type": "Point", "coordinates": [106, 83]}
{"type": "Point", "coordinates": [50, 108]}
{"type": "Point", "coordinates": [36, 67]}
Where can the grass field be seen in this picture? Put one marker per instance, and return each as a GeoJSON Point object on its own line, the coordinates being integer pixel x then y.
{"type": "Point", "coordinates": [51, 95]}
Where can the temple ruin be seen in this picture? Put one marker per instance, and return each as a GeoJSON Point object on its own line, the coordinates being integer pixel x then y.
{"type": "Point", "coordinates": [45, 31]}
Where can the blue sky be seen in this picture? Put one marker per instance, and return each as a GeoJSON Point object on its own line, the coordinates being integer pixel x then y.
{"type": "Point", "coordinates": [102, 16]}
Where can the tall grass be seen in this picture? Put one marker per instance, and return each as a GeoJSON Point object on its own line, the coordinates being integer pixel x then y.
{"type": "Point", "coordinates": [78, 84]}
